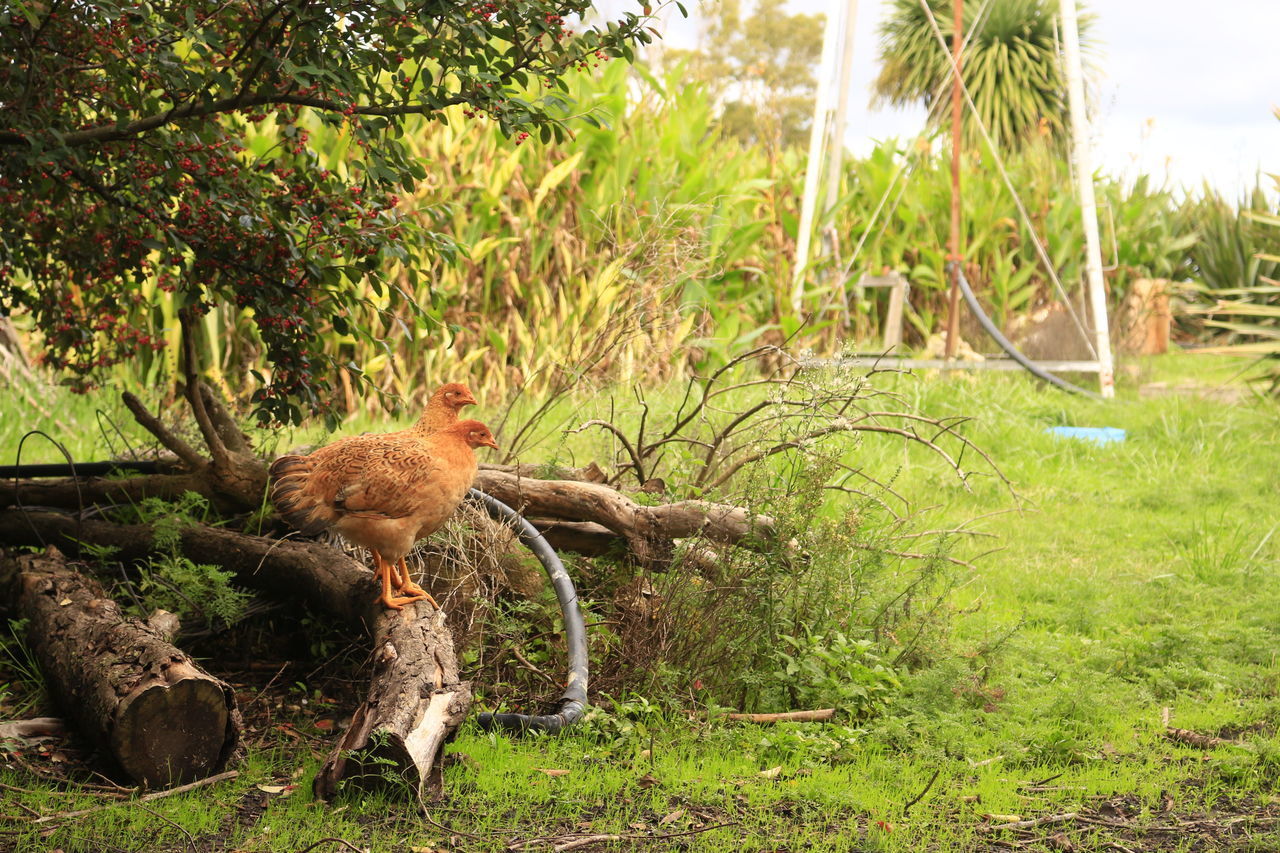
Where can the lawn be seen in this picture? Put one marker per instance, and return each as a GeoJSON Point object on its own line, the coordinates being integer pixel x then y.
{"type": "Point", "coordinates": [1129, 616]}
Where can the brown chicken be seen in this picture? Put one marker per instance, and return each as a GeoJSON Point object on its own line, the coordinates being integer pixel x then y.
{"type": "Point", "coordinates": [386, 491]}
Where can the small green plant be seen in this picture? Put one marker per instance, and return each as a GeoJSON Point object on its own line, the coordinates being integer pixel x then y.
{"type": "Point", "coordinates": [626, 727]}
{"type": "Point", "coordinates": [173, 581]}
{"type": "Point", "coordinates": [98, 553]}
{"type": "Point", "coordinates": [833, 670]}
{"type": "Point", "coordinates": [191, 589]}
{"type": "Point", "coordinates": [808, 746]}
{"type": "Point", "coordinates": [22, 688]}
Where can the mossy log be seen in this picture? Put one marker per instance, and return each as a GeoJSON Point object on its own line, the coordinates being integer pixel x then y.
{"type": "Point", "coordinates": [164, 719]}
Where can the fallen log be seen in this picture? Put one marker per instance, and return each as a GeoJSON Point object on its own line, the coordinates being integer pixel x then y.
{"type": "Point", "coordinates": [415, 704]}
{"type": "Point", "coordinates": [163, 718]}
{"type": "Point", "coordinates": [415, 701]}
{"type": "Point", "coordinates": [324, 578]}
{"type": "Point", "coordinates": [643, 527]}
{"type": "Point", "coordinates": [580, 537]}
{"type": "Point", "coordinates": [575, 514]}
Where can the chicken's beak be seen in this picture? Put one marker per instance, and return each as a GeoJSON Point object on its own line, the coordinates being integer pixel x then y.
{"type": "Point", "coordinates": [468, 400]}
{"type": "Point", "coordinates": [491, 443]}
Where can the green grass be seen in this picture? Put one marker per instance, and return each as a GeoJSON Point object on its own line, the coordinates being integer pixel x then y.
{"type": "Point", "coordinates": [1136, 577]}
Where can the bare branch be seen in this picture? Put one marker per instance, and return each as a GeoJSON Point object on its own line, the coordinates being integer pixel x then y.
{"type": "Point", "coordinates": [834, 428]}
{"type": "Point", "coordinates": [626, 444]}
{"type": "Point", "coordinates": [171, 442]}
{"type": "Point", "coordinates": [190, 368]}
{"type": "Point", "coordinates": [113, 132]}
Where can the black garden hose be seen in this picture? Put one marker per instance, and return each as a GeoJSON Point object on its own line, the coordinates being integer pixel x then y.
{"type": "Point", "coordinates": [80, 469]}
{"type": "Point", "coordinates": [574, 700]}
{"type": "Point", "coordinates": [1007, 345]}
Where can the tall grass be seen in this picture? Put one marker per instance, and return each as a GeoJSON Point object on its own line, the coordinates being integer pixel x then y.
{"type": "Point", "coordinates": [650, 240]}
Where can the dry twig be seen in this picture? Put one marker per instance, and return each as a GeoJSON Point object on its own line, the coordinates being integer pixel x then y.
{"type": "Point", "coordinates": [572, 841]}
{"type": "Point", "coordinates": [334, 840]}
{"type": "Point", "coordinates": [820, 715]}
{"type": "Point", "coordinates": [920, 796]}
{"type": "Point", "coordinates": [145, 798]}
{"type": "Point", "coordinates": [1190, 738]}
{"type": "Point", "coordinates": [1039, 821]}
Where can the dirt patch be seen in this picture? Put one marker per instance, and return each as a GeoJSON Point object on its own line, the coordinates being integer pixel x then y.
{"type": "Point", "coordinates": [1126, 823]}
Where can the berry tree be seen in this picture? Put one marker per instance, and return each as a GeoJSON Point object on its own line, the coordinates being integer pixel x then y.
{"type": "Point", "coordinates": [122, 172]}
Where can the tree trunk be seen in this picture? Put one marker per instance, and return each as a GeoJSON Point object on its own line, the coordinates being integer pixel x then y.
{"type": "Point", "coordinates": [415, 702]}
{"type": "Point", "coordinates": [164, 720]}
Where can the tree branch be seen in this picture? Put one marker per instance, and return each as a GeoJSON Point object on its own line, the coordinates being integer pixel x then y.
{"type": "Point", "coordinates": [232, 436]}
{"type": "Point", "coordinates": [626, 444]}
{"type": "Point", "coordinates": [114, 132]}
{"type": "Point", "coordinates": [218, 450]}
{"type": "Point", "coordinates": [171, 442]}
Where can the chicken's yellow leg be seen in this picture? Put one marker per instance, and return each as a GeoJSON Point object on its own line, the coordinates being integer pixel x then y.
{"type": "Point", "coordinates": [408, 586]}
{"type": "Point", "coordinates": [384, 570]}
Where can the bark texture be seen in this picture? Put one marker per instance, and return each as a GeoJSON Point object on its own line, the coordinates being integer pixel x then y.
{"type": "Point", "coordinates": [415, 704]}
{"type": "Point", "coordinates": [164, 720]}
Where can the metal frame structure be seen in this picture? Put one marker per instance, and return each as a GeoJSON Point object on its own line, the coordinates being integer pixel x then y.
{"type": "Point", "coordinates": [840, 22]}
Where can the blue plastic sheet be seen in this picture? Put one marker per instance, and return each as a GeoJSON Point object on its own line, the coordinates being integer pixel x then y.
{"type": "Point", "coordinates": [1098, 435]}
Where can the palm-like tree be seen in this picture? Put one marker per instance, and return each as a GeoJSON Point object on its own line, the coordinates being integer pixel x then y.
{"type": "Point", "coordinates": [1011, 66]}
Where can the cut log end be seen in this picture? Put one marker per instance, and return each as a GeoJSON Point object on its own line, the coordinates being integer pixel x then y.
{"type": "Point", "coordinates": [120, 680]}
{"type": "Point", "coordinates": [169, 734]}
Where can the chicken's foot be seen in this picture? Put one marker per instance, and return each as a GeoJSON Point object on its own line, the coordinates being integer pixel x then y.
{"type": "Point", "coordinates": [383, 571]}
{"type": "Point", "coordinates": [406, 584]}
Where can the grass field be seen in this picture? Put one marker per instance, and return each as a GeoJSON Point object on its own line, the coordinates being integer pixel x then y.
{"type": "Point", "coordinates": [1136, 588]}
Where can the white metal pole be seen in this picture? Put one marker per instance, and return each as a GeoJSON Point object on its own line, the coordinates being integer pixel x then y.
{"type": "Point", "coordinates": [813, 168]}
{"type": "Point", "coordinates": [836, 156]}
{"type": "Point", "coordinates": [1088, 205]}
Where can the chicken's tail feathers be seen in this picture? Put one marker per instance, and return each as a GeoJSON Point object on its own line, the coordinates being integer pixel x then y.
{"type": "Point", "coordinates": [296, 502]}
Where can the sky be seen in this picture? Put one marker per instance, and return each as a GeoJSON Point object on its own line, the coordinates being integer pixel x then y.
{"type": "Point", "coordinates": [1186, 88]}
